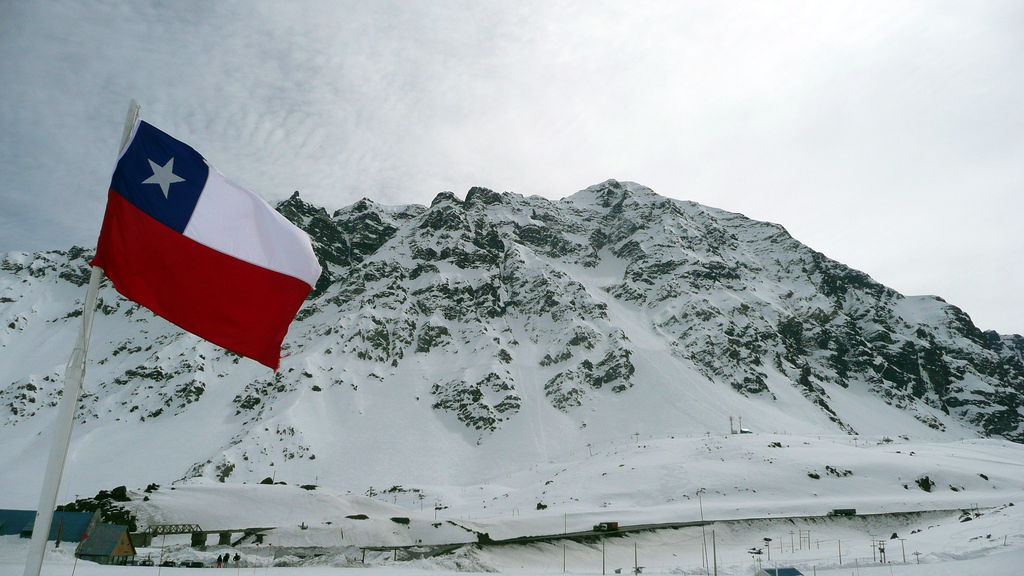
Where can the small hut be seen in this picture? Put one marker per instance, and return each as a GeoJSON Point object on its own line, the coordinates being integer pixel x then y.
{"type": "Point", "coordinates": [107, 544]}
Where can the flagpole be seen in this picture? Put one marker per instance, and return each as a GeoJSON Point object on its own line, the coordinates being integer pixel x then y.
{"type": "Point", "coordinates": [74, 375]}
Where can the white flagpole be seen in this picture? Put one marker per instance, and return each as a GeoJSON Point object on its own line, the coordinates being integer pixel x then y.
{"type": "Point", "coordinates": [73, 377]}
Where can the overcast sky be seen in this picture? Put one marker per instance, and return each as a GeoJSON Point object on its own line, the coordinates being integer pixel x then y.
{"type": "Point", "coordinates": [887, 135]}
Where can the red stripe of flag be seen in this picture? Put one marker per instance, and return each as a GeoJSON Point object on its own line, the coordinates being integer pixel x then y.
{"type": "Point", "coordinates": [240, 306]}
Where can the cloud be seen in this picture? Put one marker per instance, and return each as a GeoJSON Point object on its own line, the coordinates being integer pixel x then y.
{"type": "Point", "coordinates": [886, 136]}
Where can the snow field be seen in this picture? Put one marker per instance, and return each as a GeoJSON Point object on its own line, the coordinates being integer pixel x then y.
{"type": "Point", "coordinates": [750, 487]}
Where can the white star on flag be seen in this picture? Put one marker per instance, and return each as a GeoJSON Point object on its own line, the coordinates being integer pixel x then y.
{"type": "Point", "coordinates": [164, 176]}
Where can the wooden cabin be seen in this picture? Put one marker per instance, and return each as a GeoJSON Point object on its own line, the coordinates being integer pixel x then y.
{"type": "Point", "coordinates": [107, 544]}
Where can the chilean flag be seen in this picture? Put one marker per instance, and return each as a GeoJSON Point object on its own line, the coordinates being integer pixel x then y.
{"type": "Point", "coordinates": [202, 252]}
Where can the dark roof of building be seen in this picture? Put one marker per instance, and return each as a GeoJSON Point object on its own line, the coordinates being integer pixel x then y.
{"type": "Point", "coordinates": [22, 522]}
{"type": "Point", "coordinates": [783, 572]}
{"type": "Point", "coordinates": [102, 540]}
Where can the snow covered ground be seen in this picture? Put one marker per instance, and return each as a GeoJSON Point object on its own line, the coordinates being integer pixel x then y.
{"type": "Point", "coordinates": [992, 543]}
{"type": "Point", "coordinates": [971, 521]}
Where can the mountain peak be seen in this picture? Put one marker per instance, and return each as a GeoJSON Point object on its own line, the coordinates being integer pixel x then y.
{"type": "Point", "coordinates": [612, 193]}
{"type": "Point", "coordinates": [484, 196]}
{"type": "Point", "coordinates": [445, 197]}
{"type": "Point", "coordinates": [298, 211]}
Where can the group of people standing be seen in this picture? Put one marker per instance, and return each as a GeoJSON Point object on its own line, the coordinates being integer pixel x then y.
{"type": "Point", "coordinates": [223, 559]}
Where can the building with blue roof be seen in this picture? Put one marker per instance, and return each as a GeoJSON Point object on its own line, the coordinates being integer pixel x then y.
{"type": "Point", "coordinates": [66, 526]}
{"type": "Point", "coordinates": [779, 572]}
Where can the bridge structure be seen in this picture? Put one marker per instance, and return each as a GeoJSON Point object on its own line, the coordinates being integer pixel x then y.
{"type": "Point", "coordinates": [161, 529]}
{"type": "Point", "coordinates": [199, 536]}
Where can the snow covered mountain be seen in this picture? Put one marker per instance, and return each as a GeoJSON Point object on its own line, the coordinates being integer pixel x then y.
{"type": "Point", "coordinates": [472, 338]}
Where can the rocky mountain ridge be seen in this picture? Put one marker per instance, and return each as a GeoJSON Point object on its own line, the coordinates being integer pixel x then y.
{"type": "Point", "coordinates": [503, 329]}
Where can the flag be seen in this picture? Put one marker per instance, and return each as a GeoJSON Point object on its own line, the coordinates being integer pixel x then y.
{"type": "Point", "coordinates": [200, 251]}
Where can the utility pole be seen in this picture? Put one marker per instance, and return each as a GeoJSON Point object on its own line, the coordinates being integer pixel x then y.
{"type": "Point", "coordinates": [840, 552]}
{"type": "Point", "coordinates": [904, 547]}
{"type": "Point", "coordinates": [714, 551]}
{"type": "Point", "coordinates": [768, 547]}
{"type": "Point", "coordinates": [918, 555]}
{"type": "Point", "coordinates": [602, 556]}
{"type": "Point", "coordinates": [792, 547]}
{"type": "Point", "coordinates": [636, 560]}
{"type": "Point", "coordinates": [703, 533]}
